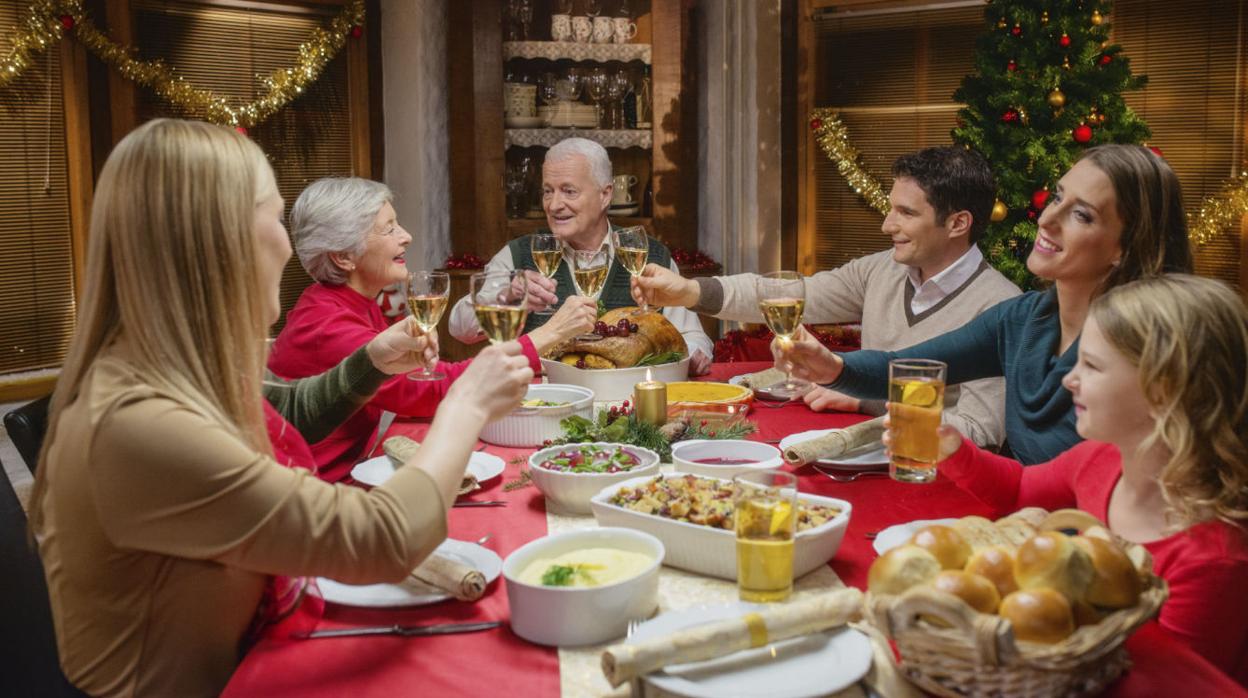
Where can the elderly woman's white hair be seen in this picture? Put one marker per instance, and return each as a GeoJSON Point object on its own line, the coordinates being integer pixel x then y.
{"type": "Point", "coordinates": [332, 216]}
{"type": "Point", "coordinates": [594, 154]}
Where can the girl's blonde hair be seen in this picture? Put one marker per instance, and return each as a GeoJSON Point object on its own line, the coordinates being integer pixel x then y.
{"type": "Point", "coordinates": [171, 264]}
{"type": "Point", "coordinates": [1188, 336]}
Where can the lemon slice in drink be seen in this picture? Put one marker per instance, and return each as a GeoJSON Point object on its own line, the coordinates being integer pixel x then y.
{"type": "Point", "coordinates": [918, 394]}
{"type": "Point", "coordinates": [781, 514]}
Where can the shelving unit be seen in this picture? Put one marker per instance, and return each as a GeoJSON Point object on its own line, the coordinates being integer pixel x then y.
{"type": "Point", "coordinates": [565, 50]}
{"type": "Point", "coordinates": [546, 137]}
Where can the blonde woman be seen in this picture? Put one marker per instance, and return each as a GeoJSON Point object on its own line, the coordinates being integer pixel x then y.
{"type": "Point", "coordinates": [1161, 395]}
{"type": "Point", "coordinates": [159, 510]}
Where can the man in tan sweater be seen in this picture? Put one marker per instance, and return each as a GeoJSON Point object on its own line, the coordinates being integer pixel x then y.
{"type": "Point", "coordinates": [933, 279]}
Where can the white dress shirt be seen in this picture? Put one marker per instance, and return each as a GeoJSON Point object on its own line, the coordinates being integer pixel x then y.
{"type": "Point", "coordinates": [929, 293]}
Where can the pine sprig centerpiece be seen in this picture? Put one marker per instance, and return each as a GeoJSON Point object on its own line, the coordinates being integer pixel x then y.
{"type": "Point", "coordinates": [1048, 84]}
{"type": "Point", "coordinates": [620, 425]}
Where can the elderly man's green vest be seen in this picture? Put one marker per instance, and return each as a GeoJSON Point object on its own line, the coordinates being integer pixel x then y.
{"type": "Point", "coordinates": [615, 294]}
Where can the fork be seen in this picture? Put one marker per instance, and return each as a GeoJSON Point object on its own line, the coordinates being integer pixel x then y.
{"type": "Point", "coordinates": [838, 476]}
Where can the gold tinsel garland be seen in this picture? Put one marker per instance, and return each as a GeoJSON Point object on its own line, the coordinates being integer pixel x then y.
{"type": "Point", "coordinates": [833, 138]}
{"type": "Point", "coordinates": [1220, 211]}
{"type": "Point", "coordinates": [46, 21]}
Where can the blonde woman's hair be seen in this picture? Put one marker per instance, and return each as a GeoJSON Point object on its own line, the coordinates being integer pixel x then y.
{"type": "Point", "coordinates": [1188, 336]}
{"type": "Point", "coordinates": [171, 265]}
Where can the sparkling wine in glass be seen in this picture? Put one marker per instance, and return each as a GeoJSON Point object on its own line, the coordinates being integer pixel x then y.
{"type": "Point", "coordinates": [631, 248]}
{"type": "Point", "coordinates": [427, 295]}
{"type": "Point", "coordinates": [498, 297]}
{"type": "Point", "coordinates": [782, 298]}
{"type": "Point", "coordinates": [590, 272]}
{"type": "Point", "coordinates": [547, 253]}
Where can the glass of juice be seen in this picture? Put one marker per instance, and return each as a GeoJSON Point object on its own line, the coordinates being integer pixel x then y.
{"type": "Point", "coordinates": [765, 516]}
{"type": "Point", "coordinates": [498, 297]}
{"type": "Point", "coordinates": [427, 294]}
{"type": "Point", "coordinates": [916, 395]}
{"type": "Point", "coordinates": [547, 253]}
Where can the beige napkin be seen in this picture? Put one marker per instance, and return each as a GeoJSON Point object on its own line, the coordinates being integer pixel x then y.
{"type": "Point", "coordinates": [835, 443]}
{"type": "Point", "coordinates": [400, 449]}
{"type": "Point", "coordinates": [455, 578]}
{"type": "Point", "coordinates": [762, 379]}
{"type": "Point", "coordinates": [623, 662]}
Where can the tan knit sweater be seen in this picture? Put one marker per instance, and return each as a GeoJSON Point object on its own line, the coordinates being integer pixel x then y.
{"type": "Point", "coordinates": [876, 291]}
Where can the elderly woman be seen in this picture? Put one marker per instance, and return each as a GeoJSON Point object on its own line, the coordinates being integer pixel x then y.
{"type": "Point", "coordinates": [160, 510]}
{"type": "Point", "coordinates": [348, 237]}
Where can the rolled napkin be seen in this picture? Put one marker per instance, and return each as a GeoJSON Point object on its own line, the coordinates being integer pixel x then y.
{"type": "Point", "coordinates": [400, 449]}
{"type": "Point", "coordinates": [455, 578]}
{"type": "Point", "coordinates": [762, 379]}
{"type": "Point", "coordinates": [624, 662]}
{"type": "Point", "coordinates": [835, 443]}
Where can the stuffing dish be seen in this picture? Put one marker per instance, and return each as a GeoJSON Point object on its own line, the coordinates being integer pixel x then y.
{"type": "Point", "coordinates": [703, 501]}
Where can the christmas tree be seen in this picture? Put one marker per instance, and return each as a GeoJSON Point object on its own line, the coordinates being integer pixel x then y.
{"type": "Point", "coordinates": [1048, 85]}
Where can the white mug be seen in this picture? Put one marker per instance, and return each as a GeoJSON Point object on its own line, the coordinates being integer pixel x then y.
{"type": "Point", "coordinates": [625, 29]}
{"type": "Point", "coordinates": [560, 28]}
{"type": "Point", "coordinates": [603, 29]}
{"type": "Point", "coordinates": [582, 29]}
{"type": "Point", "coordinates": [621, 184]}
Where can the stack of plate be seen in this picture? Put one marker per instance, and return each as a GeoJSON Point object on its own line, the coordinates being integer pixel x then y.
{"type": "Point", "coordinates": [631, 208]}
{"type": "Point", "coordinates": [570, 115]}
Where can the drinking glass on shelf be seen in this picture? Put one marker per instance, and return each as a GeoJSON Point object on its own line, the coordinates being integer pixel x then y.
{"type": "Point", "coordinates": [524, 17]}
{"type": "Point", "coordinates": [589, 271]}
{"type": "Point", "coordinates": [427, 294]}
{"type": "Point", "coordinates": [498, 298]}
{"type": "Point", "coordinates": [593, 8]}
{"type": "Point", "coordinates": [547, 253]}
{"type": "Point", "coordinates": [618, 85]}
{"type": "Point", "coordinates": [916, 397]}
{"type": "Point", "coordinates": [516, 182]}
{"type": "Point", "coordinates": [561, 7]}
{"type": "Point", "coordinates": [547, 89]}
{"type": "Point", "coordinates": [596, 88]}
{"type": "Point", "coordinates": [631, 248]}
{"type": "Point", "coordinates": [782, 298]}
{"type": "Point", "coordinates": [765, 517]}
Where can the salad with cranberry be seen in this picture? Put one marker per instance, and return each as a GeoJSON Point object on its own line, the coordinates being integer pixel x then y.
{"type": "Point", "coordinates": [591, 459]}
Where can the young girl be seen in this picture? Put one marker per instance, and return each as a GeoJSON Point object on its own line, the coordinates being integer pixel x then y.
{"type": "Point", "coordinates": [1161, 395]}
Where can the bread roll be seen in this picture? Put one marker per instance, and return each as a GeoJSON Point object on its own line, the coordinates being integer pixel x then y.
{"type": "Point", "coordinates": [1015, 531]}
{"type": "Point", "coordinates": [1115, 583]}
{"type": "Point", "coordinates": [901, 568]}
{"type": "Point", "coordinates": [1052, 560]}
{"type": "Point", "coordinates": [996, 564]}
{"type": "Point", "coordinates": [1069, 520]}
{"type": "Point", "coordinates": [1085, 614]}
{"type": "Point", "coordinates": [945, 544]}
{"type": "Point", "coordinates": [1038, 615]}
{"type": "Point", "coordinates": [1032, 516]}
{"type": "Point", "coordinates": [976, 591]}
{"type": "Point", "coordinates": [979, 532]}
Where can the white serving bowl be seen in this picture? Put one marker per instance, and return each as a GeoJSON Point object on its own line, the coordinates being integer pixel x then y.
{"type": "Point", "coordinates": [614, 384]}
{"type": "Point", "coordinates": [568, 617]}
{"type": "Point", "coordinates": [532, 426]}
{"type": "Point", "coordinates": [685, 453]}
{"type": "Point", "coordinates": [570, 493]}
{"type": "Point", "coordinates": [713, 551]}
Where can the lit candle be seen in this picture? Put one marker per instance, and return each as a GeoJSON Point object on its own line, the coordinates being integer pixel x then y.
{"type": "Point", "coordinates": [650, 401]}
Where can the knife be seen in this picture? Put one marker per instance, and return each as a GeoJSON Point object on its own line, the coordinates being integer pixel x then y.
{"type": "Point", "coordinates": [483, 503]}
{"type": "Point", "coordinates": [402, 630]}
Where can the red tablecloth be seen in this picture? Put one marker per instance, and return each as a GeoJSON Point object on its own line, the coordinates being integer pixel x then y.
{"type": "Point", "coordinates": [494, 662]}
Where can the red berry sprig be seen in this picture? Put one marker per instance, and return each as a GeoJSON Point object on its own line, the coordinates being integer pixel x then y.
{"type": "Point", "coordinates": [464, 261]}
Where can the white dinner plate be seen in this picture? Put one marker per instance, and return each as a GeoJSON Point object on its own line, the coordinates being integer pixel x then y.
{"type": "Point", "coordinates": [868, 457]}
{"type": "Point", "coordinates": [813, 665]}
{"type": "Point", "coordinates": [900, 534]}
{"type": "Point", "coordinates": [374, 471]}
{"type": "Point", "coordinates": [411, 592]}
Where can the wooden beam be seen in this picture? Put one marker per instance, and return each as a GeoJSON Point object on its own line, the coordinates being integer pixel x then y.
{"type": "Point", "coordinates": [1243, 258]}
{"type": "Point", "coordinates": [672, 86]}
{"type": "Point", "coordinates": [806, 147]}
{"type": "Point", "coordinates": [79, 173]}
{"type": "Point", "coordinates": [358, 108]}
{"type": "Point", "coordinates": [122, 93]}
{"type": "Point", "coordinates": [792, 126]}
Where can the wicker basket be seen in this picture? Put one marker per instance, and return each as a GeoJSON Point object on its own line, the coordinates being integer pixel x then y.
{"type": "Point", "coordinates": [978, 656]}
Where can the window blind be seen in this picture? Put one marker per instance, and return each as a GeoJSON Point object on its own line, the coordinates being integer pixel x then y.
{"type": "Point", "coordinates": [37, 309]}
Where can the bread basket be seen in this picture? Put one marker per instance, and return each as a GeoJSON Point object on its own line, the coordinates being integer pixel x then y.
{"type": "Point", "coordinates": [977, 654]}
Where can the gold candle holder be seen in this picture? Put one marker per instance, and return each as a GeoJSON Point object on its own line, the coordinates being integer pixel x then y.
{"type": "Point", "coordinates": [650, 402]}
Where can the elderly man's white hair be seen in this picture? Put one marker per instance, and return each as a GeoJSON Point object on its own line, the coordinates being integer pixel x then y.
{"type": "Point", "coordinates": [334, 215]}
{"type": "Point", "coordinates": [594, 154]}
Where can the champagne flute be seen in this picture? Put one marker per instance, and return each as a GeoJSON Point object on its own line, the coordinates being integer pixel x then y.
{"type": "Point", "coordinates": [589, 271]}
{"type": "Point", "coordinates": [631, 248]}
{"type": "Point", "coordinates": [427, 294]}
{"type": "Point", "coordinates": [547, 253]}
{"type": "Point", "coordinates": [498, 297]}
{"type": "Point", "coordinates": [782, 298]}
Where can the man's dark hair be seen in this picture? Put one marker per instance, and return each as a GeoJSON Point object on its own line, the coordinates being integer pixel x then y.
{"type": "Point", "coordinates": [954, 179]}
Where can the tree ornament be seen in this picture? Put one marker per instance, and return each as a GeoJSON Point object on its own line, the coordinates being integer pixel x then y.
{"type": "Point", "coordinates": [67, 21]}
{"type": "Point", "coordinates": [1097, 18]}
{"type": "Point", "coordinates": [999, 211]}
{"type": "Point", "coordinates": [1011, 66]}
{"type": "Point", "coordinates": [357, 31]}
{"type": "Point", "coordinates": [1022, 116]}
{"type": "Point", "coordinates": [1106, 59]}
{"type": "Point", "coordinates": [1057, 99]}
{"type": "Point", "coordinates": [1001, 23]}
{"type": "Point", "coordinates": [1065, 62]}
{"type": "Point", "coordinates": [241, 129]}
{"type": "Point", "coordinates": [1156, 151]}
{"type": "Point", "coordinates": [1032, 214]}
{"type": "Point", "coordinates": [1064, 42]}
{"type": "Point", "coordinates": [1044, 17]}
{"type": "Point", "coordinates": [816, 124]}
{"type": "Point", "coordinates": [1017, 31]}
{"type": "Point", "coordinates": [1039, 199]}
{"type": "Point", "coordinates": [1010, 116]}
{"type": "Point", "coordinates": [1082, 133]}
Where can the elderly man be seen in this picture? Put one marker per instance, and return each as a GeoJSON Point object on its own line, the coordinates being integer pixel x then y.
{"type": "Point", "coordinates": [933, 279]}
{"type": "Point", "coordinates": [576, 191]}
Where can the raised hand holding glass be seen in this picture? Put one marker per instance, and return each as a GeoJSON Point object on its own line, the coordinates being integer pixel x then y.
{"type": "Point", "coordinates": [427, 295]}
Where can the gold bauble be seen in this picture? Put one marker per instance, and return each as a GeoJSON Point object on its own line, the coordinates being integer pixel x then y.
{"type": "Point", "coordinates": [998, 211]}
{"type": "Point", "coordinates": [1044, 17]}
{"type": "Point", "coordinates": [1065, 62]}
{"type": "Point", "coordinates": [1097, 18]}
{"type": "Point", "coordinates": [1001, 23]}
{"type": "Point", "coordinates": [1057, 99]}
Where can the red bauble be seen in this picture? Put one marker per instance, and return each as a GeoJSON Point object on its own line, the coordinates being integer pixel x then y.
{"type": "Point", "coordinates": [1011, 66]}
{"type": "Point", "coordinates": [1064, 42]}
{"type": "Point", "coordinates": [816, 124]}
{"type": "Point", "coordinates": [241, 129]}
{"type": "Point", "coordinates": [67, 21]}
{"type": "Point", "coordinates": [1106, 58]}
{"type": "Point", "coordinates": [1016, 31]}
{"type": "Point", "coordinates": [1010, 116]}
{"type": "Point", "coordinates": [357, 31]}
{"type": "Point", "coordinates": [1032, 214]}
{"type": "Point", "coordinates": [1082, 133]}
{"type": "Point", "coordinates": [1039, 199]}
{"type": "Point", "coordinates": [1157, 151]}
